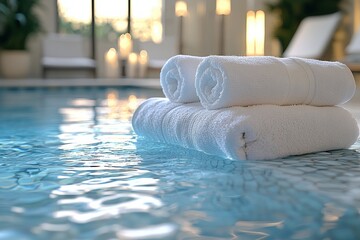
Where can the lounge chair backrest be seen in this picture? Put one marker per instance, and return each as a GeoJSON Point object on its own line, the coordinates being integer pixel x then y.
{"type": "Point", "coordinates": [313, 36]}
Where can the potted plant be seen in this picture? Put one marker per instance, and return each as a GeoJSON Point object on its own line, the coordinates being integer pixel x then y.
{"type": "Point", "coordinates": [18, 22]}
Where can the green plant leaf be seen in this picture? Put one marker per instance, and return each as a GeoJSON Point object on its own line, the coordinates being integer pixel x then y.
{"type": "Point", "coordinates": [21, 19]}
{"type": "Point", "coordinates": [17, 23]}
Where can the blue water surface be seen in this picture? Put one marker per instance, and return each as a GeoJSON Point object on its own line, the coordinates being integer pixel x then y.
{"type": "Point", "coordinates": [72, 168]}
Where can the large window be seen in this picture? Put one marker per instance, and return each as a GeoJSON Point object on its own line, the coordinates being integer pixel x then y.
{"type": "Point", "coordinates": [111, 18]}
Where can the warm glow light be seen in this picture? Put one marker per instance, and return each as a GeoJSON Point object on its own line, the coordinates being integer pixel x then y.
{"type": "Point", "coordinates": [111, 63]}
{"type": "Point", "coordinates": [121, 109]}
{"type": "Point", "coordinates": [111, 55]}
{"type": "Point", "coordinates": [132, 103]}
{"type": "Point", "coordinates": [112, 99]}
{"type": "Point", "coordinates": [132, 58]}
{"type": "Point", "coordinates": [260, 33]}
{"type": "Point", "coordinates": [125, 45]}
{"type": "Point", "coordinates": [255, 33]}
{"type": "Point", "coordinates": [181, 8]}
{"type": "Point", "coordinates": [143, 60]}
{"type": "Point", "coordinates": [143, 57]}
{"type": "Point", "coordinates": [131, 66]}
{"type": "Point", "coordinates": [223, 7]}
{"type": "Point", "coordinates": [250, 33]}
{"type": "Point", "coordinates": [156, 32]}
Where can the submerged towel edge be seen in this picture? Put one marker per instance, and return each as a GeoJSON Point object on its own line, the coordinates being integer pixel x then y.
{"type": "Point", "coordinates": [242, 133]}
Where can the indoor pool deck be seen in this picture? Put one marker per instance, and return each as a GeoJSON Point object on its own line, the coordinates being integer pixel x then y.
{"type": "Point", "coordinates": [353, 105]}
{"type": "Point", "coordinates": [98, 82]}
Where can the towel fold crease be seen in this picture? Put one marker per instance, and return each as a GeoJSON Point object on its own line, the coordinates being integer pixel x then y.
{"type": "Point", "coordinates": [177, 78]}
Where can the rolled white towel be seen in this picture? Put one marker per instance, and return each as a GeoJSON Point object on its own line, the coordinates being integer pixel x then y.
{"type": "Point", "coordinates": [224, 81]}
{"type": "Point", "coordinates": [177, 78]}
{"type": "Point", "coordinates": [256, 132]}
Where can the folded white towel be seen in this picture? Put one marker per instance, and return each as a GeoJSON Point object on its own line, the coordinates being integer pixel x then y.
{"type": "Point", "coordinates": [177, 78]}
{"type": "Point", "coordinates": [256, 132]}
{"type": "Point", "coordinates": [223, 81]}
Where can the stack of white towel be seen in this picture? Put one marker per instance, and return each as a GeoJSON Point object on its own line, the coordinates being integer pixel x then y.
{"type": "Point", "coordinates": [251, 107]}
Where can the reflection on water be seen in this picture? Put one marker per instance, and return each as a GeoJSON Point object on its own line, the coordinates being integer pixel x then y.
{"type": "Point", "coordinates": [120, 109]}
{"type": "Point", "coordinates": [119, 191]}
{"type": "Point", "coordinates": [86, 124]}
{"type": "Point", "coordinates": [72, 168]}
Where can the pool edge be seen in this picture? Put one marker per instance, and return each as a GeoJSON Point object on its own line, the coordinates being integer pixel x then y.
{"type": "Point", "coordinates": [81, 82]}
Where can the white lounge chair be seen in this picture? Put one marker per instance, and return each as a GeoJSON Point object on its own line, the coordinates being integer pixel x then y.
{"type": "Point", "coordinates": [313, 36]}
{"type": "Point", "coordinates": [66, 52]}
{"type": "Point", "coordinates": [352, 51]}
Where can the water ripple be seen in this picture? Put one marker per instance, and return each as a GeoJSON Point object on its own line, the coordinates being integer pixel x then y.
{"type": "Point", "coordinates": [72, 168]}
{"type": "Point", "coordinates": [161, 231]}
{"type": "Point", "coordinates": [107, 207]}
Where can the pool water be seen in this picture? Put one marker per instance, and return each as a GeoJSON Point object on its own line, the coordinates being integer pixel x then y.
{"type": "Point", "coordinates": [72, 168]}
